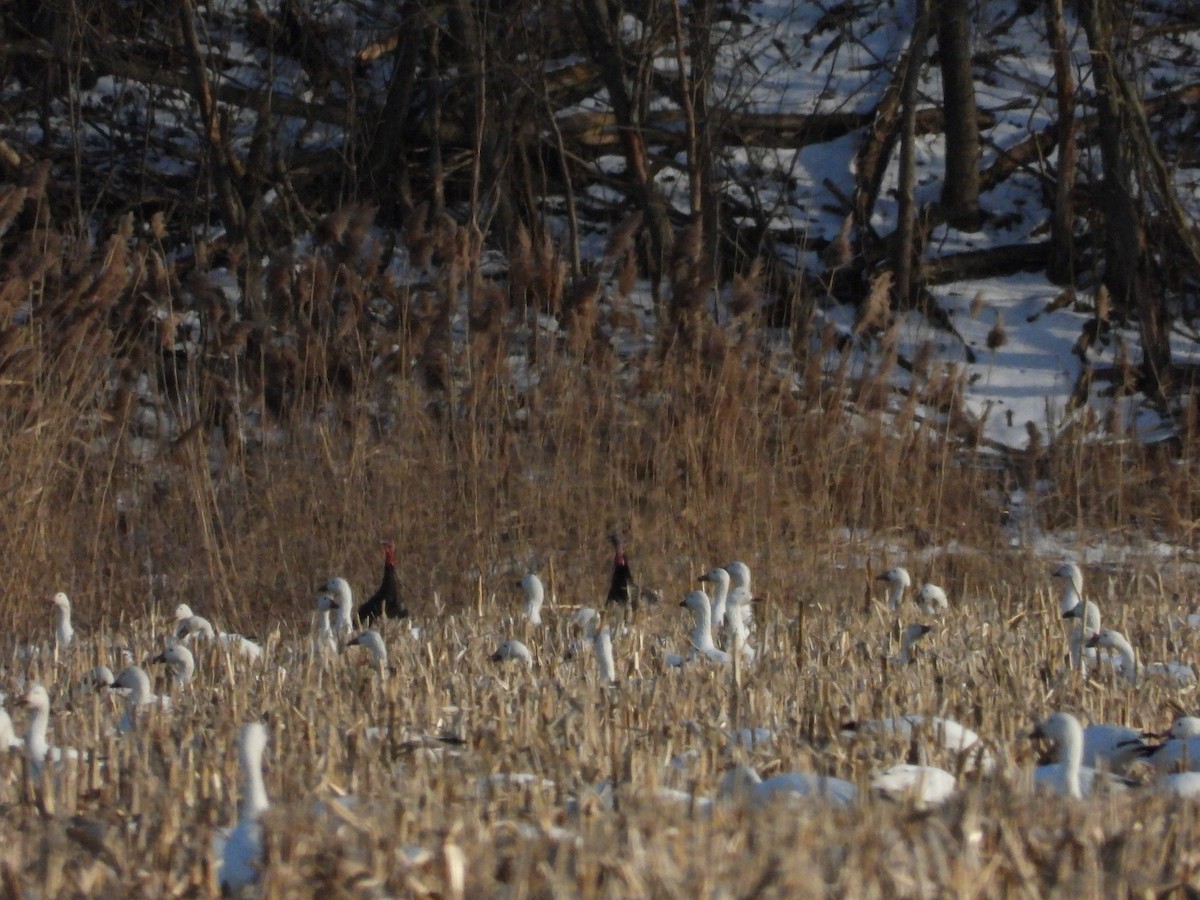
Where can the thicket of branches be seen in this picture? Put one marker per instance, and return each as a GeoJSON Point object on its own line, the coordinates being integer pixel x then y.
{"type": "Point", "coordinates": [240, 129]}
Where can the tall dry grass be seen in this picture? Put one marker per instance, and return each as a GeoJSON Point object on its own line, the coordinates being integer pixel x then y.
{"type": "Point", "coordinates": [161, 446]}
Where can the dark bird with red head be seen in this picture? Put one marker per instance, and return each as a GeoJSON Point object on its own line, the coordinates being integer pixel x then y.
{"type": "Point", "coordinates": [622, 588]}
{"type": "Point", "coordinates": [385, 602]}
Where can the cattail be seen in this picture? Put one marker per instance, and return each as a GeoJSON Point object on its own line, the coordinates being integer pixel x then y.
{"type": "Point", "coordinates": [875, 309]}
{"type": "Point", "coordinates": [997, 337]}
{"type": "Point", "coordinates": [976, 306]}
{"type": "Point", "coordinates": [745, 296]}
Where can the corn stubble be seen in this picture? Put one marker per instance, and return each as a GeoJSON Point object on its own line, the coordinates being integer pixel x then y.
{"type": "Point", "coordinates": [235, 466]}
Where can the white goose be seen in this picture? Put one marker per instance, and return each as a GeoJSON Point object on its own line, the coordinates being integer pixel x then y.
{"type": "Point", "coordinates": [535, 596]}
{"type": "Point", "coordinates": [373, 641]}
{"type": "Point", "coordinates": [738, 609]}
{"type": "Point", "coordinates": [745, 786]}
{"type": "Point", "coordinates": [513, 649]}
{"type": "Point", "coordinates": [37, 746]}
{"type": "Point", "coordinates": [702, 642]}
{"type": "Point", "coordinates": [921, 784]}
{"type": "Point", "coordinates": [932, 600]}
{"type": "Point", "coordinates": [719, 579]}
{"type": "Point", "coordinates": [8, 734]}
{"type": "Point", "coordinates": [950, 735]}
{"type": "Point", "coordinates": [1083, 657]}
{"type": "Point", "coordinates": [241, 848]}
{"type": "Point", "coordinates": [604, 656]}
{"type": "Point", "coordinates": [908, 638]}
{"type": "Point", "coordinates": [338, 589]}
{"type": "Point", "coordinates": [325, 642]}
{"type": "Point", "coordinates": [1073, 606]}
{"type": "Point", "coordinates": [1069, 777]}
{"type": "Point", "coordinates": [64, 633]}
{"type": "Point", "coordinates": [1113, 748]}
{"type": "Point", "coordinates": [140, 693]}
{"type": "Point", "coordinates": [189, 626]}
{"type": "Point", "coordinates": [179, 660]}
{"type": "Point", "coordinates": [1174, 672]}
{"type": "Point", "coordinates": [900, 581]}
{"type": "Point", "coordinates": [1181, 749]}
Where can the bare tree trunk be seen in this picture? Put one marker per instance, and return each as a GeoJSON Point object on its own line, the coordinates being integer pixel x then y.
{"type": "Point", "coordinates": [599, 22]}
{"type": "Point", "coordinates": [1061, 267]}
{"type": "Point", "coordinates": [1123, 231]}
{"type": "Point", "coordinates": [960, 193]}
{"type": "Point", "coordinates": [906, 227]}
{"type": "Point", "coordinates": [243, 225]}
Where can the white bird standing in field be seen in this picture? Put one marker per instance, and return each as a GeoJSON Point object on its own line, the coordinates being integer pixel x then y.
{"type": "Point", "coordinates": [932, 600]}
{"type": "Point", "coordinates": [738, 609]}
{"type": "Point", "coordinates": [179, 660]}
{"type": "Point", "coordinates": [899, 581]}
{"type": "Point", "coordinates": [719, 579]}
{"type": "Point", "coordinates": [338, 589]}
{"type": "Point", "coordinates": [535, 596]}
{"type": "Point", "coordinates": [137, 682]}
{"type": "Point", "coordinates": [373, 641]}
{"type": "Point", "coordinates": [37, 746]}
{"type": "Point", "coordinates": [241, 848]}
{"type": "Point", "coordinates": [1069, 777]}
{"type": "Point", "coordinates": [702, 642]}
{"type": "Point", "coordinates": [325, 642]}
{"type": "Point", "coordinates": [908, 638]}
{"type": "Point", "coordinates": [604, 656]}
{"type": "Point", "coordinates": [64, 633]}
{"type": "Point", "coordinates": [1173, 672]}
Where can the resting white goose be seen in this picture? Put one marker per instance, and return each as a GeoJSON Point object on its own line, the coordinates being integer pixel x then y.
{"type": "Point", "coordinates": [950, 735]}
{"type": "Point", "coordinates": [900, 581]}
{"type": "Point", "coordinates": [535, 596]}
{"type": "Point", "coordinates": [513, 649]}
{"type": "Point", "coordinates": [1112, 747]}
{"type": "Point", "coordinates": [241, 848]}
{"type": "Point", "coordinates": [1175, 673]}
{"type": "Point", "coordinates": [702, 642]}
{"type": "Point", "coordinates": [604, 657]}
{"type": "Point", "coordinates": [179, 660]}
{"type": "Point", "coordinates": [923, 785]}
{"type": "Point", "coordinates": [1181, 749]}
{"type": "Point", "coordinates": [744, 785]}
{"type": "Point", "coordinates": [189, 626]}
{"type": "Point", "coordinates": [719, 579]}
{"type": "Point", "coordinates": [908, 638]}
{"type": "Point", "coordinates": [37, 747]}
{"type": "Point", "coordinates": [1179, 784]}
{"type": "Point", "coordinates": [1069, 777]}
{"type": "Point", "coordinates": [338, 589]}
{"type": "Point", "coordinates": [64, 633]}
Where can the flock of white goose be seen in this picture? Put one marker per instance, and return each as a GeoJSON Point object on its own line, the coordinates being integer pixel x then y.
{"type": "Point", "coordinates": [1088, 758]}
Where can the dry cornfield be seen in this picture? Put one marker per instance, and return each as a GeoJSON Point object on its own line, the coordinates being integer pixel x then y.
{"type": "Point", "coordinates": [488, 451]}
